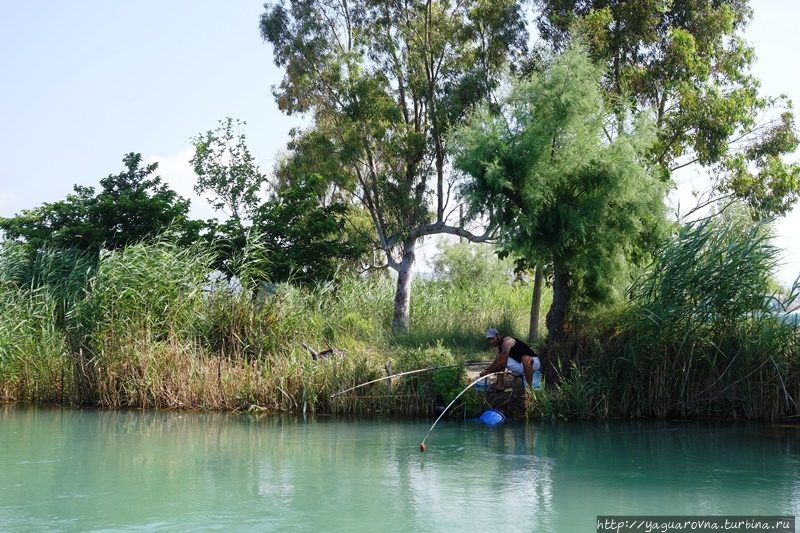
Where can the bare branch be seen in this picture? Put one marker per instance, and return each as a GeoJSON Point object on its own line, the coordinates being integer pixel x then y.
{"type": "Point", "coordinates": [436, 228]}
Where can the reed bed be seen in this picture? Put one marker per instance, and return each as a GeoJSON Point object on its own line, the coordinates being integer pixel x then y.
{"type": "Point", "coordinates": [148, 327]}
{"type": "Point", "coordinates": [697, 341]}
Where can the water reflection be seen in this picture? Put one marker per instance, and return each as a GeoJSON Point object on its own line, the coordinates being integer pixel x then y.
{"type": "Point", "coordinates": [74, 470]}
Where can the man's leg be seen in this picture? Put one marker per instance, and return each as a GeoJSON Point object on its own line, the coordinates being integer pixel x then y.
{"type": "Point", "coordinates": [515, 367]}
{"type": "Point", "coordinates": [527, 366]}
{"type": "Point", "coordinates": [500, 384]}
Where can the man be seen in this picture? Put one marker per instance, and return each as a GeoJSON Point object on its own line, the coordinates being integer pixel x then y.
{"type": "Point", "coordinates": [513, 354]}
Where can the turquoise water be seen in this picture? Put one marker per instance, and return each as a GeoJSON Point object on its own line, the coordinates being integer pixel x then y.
{"type": "Point", "coordinates": [80, 470]}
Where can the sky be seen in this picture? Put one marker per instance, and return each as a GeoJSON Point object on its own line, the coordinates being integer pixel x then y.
{"type": "Point", "coordinates": [86, 82]}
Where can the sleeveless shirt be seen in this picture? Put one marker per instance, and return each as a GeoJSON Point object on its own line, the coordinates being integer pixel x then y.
{"type": "Point", "coordinates": [519, 349]}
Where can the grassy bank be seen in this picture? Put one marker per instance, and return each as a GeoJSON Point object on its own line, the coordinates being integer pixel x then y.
{"type": "Point", "coordinates": [697, 339]}
{"type": "Point", "coordinates": [147, 328]}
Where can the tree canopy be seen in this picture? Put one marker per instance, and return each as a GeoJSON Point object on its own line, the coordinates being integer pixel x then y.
{"type": "Point", "coordinates": [132, 206]}
{"type": "Point", "coordinates": [557, 189]}
{"type": "Point", "coordinates": [306, 242]}
{"type": "Point", "coordinates": [687, 62]}
{"type": "Point", "coordinates": [295, 236]}
{"type": "Point", "coordinates": [384, 82]}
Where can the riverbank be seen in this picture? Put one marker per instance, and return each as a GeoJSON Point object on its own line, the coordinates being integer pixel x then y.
{"type": "Point", "coordinates": [146, 329]}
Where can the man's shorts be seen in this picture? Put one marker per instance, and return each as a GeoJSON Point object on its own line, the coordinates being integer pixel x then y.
{"type": "Point", "coordinates": [516, 367]}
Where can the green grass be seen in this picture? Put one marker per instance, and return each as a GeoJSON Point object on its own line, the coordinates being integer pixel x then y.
{"type": "Point", "coordinates": [147, 328]}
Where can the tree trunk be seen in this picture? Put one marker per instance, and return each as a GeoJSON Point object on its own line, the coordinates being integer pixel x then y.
{"type": "Point", "coordinates": [402, 295]}
{"type": "Point", "coordinates": [536, 304]}
{"type": "Point", "coordinates": [557, 314]}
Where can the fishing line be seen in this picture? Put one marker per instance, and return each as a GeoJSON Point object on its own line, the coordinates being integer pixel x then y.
{"type": "Point", "coordinates": [422, 445]}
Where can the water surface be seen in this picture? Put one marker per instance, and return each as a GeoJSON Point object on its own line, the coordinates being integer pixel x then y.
{"type": "Point", "coordinates": [85, 470]}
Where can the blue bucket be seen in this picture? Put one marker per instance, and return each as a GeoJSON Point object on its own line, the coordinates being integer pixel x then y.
{"type": "Point", "coordinates": [490, 417]}
{"type": "Point", "coordinates": [483, 385]}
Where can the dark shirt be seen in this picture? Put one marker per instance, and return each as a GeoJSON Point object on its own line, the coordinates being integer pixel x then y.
{"type": "Point", "coordinates": [519, 349]}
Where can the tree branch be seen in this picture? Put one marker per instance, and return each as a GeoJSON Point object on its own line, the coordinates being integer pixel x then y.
{"type": "Point", "coordinates": [439, 227]}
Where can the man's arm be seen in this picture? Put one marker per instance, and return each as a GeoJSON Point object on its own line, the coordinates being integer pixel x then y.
{"type": "Point", "coordinates": [499, 363]}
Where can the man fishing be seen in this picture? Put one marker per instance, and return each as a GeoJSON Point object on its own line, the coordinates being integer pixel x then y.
{"type": "Point", "coordinates": [512, 354]}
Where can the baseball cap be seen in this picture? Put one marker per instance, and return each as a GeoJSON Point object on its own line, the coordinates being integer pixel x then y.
{"type": "Point", "coordinates": [491, 333]}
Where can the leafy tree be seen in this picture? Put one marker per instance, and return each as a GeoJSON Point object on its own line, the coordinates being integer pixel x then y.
{"type": "Point", "coordinates": [311, 154]}
{"type": "Point", "coordinates": [557, 189]}
{"type": "Point", "coordinates": [306, 242]}
{"type": "Point", "coordinates": [131, 207]}
{"type": "Point", "coordinates": [224, 167]}
{"type": "Point", "coordinates": [384, 83]}
{"type": "Point", "coordinates": [292, 236]}
{"type": "Point", "coordinates": [687, 61]}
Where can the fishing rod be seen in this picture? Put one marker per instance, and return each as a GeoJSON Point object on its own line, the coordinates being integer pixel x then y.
{"type": "Point", "coordinates": [422, 445]}
{"type": "Point", "coordinates": [334, 395]}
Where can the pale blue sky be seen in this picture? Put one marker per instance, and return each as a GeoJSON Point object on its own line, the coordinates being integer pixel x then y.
{"type": "Point", "coordinates": [87, 81]}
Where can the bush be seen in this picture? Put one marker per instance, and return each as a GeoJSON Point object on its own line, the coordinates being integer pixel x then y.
{"type": "Point", "coordinates": [697, 340]}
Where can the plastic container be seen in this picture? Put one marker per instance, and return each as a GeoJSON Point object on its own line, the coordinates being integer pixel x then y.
{"type": "Point", "coordinates": [537, 380]}
{"type": "Point", "coordinates": [483, 384]}
{"type": "Point", "coordinates": [490, 417]}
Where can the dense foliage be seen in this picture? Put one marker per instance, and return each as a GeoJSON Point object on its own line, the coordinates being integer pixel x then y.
{"type": "Point", "coordinates": [384, 82]}
{"type": "Point", "coordinates": [132, 206]}
{"type": "Point", "coordinates": [688, 64]}
{"type": "Point", "coordinates": [699, 339]}
{"type": "Point", "coordinates": [147, 327]}
{"type": "Point", "coordinates": [306, 241]}
{"type": "Point", "coordinates": [557, 189]}
{"type": "Point", "coordinates": [296, 235]}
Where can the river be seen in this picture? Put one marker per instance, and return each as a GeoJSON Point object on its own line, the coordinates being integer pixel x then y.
{"type": "Point", "coordinates": [89, 470]}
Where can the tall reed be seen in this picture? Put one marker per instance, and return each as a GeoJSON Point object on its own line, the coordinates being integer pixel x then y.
{"type": "Point", "coordinates": [697, 340]}
{"type": "Point", "coordinates": [39, 293]}
{"type": "Point", "coordinates": [33, 354]}
{"type": "Point", "coordinates": [149, 327]}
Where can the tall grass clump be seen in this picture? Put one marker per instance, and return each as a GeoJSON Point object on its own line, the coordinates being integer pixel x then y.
{"type": "Point", "coordinates": [154, 326]}
{"type": "Point", "coordinates": [697, 339]}
{"type": "Point", "coordinates": [39, 290]}
{"type": "Point", "coordinates": [33, 353]}
{"type": "Point", "coordinates": [143, 310]}
{"type": "Point", "coordinates": [350, 309]}
{"type": "Point", "coordinates": [166, 335]}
